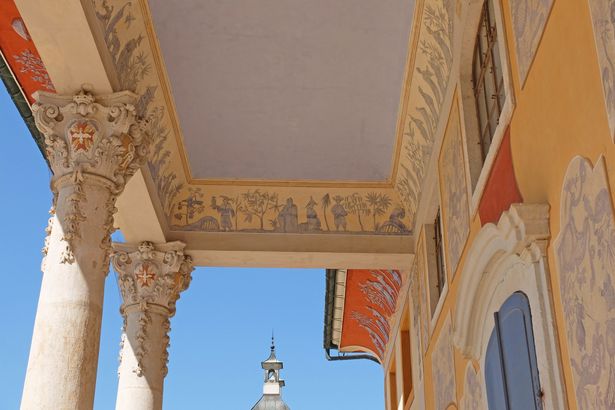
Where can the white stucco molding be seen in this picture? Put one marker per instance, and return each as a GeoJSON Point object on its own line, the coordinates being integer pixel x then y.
{"type": "Point", "coordinates": [507, 258]}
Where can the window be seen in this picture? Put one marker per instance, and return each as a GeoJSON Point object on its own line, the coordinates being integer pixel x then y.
{"type": "Point", "coordinates": [511, 372]}
{"type": "Point", "coordinates": [436, 268]}
{"type": "Point", "coordinates": [487, 78]}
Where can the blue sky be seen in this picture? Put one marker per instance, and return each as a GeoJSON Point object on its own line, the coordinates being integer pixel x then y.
{"type": "Point", "coordinates": [221, 330]}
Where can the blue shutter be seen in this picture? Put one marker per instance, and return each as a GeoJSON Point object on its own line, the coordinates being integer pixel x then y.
{"type": "Point", "coordinates": [512, 347]}
{"type": "Point", "coordinates": [496, 395]}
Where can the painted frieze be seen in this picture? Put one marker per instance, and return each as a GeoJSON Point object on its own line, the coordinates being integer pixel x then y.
{"type": "Point", "coordinates": [586, 262]}
{"type": "Point", "coordinates": [473, 397]}
{"type": "Point", "coordinates": [369, 306]}
{"type": "Point", "coordinates": [454, 192]}
{"type": "Point", "coordinates": [603, 18]}
{"type": "Point", "coordinates": [429, 89]}
{"type": "Point", "coordinates": [443, 368]}
{"type": "Point", "coordinates": [529, 18]}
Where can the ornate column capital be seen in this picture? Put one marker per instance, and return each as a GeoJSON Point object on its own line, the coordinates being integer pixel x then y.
{"type": "Point", "coordinates": [100, 136]}
{"type": "Point", "coordinates": [151, 274]}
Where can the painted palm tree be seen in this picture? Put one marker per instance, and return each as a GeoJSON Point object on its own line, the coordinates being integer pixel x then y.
{"type": "Point", "coordinates": [326, 202]}
{"type": "Point", "coordinates": [357, 206]}
{"type": "Point", "coordinates": [379, 203]}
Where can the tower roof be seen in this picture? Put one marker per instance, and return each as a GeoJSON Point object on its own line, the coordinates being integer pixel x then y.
{"type": "Point", "coordinates": [271, 402]}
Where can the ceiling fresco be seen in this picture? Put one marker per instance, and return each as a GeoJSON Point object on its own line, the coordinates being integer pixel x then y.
{"type": "Point", "coordinates": [20, 53]}
{"type": "Point", "coordinates": [290, 206]}
{"type": "Point", "coordinates": [370, 304]}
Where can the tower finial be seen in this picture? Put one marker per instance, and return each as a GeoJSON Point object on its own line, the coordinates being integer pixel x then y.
{"type": "Point", "coordinates": [272, 341]}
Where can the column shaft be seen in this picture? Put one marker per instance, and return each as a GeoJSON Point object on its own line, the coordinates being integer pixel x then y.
{"type": "Point", "coordinates": [64, 353]}
{"type": "Point", "coordinates": [142, 369]}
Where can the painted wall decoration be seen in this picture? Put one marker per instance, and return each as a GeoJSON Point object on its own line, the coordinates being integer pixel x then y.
{"type": "Point", "coordinates": [603, 18]}
{"type": "Point", "coordinates": [585, 253]}
{"type": "Point", "coordinates": [443, 368]}
{"type": "Point", "coordinates": [232, 208]}
{"type": "Point", "coordinates": [428, 92]}
{"type": "Point", "coordinates": [529, 18]}
{"type": "Point", "coordinates": [20, 52]}
{"type": "Point", "coordinates": [414, 286]}
{"type": "Point", "coordinates": [369, 305]}
{"type": "Point", "coordinates": [501, 189]}
{"type": "Point", "coordinates": [473, 396]}
{"type": "Point", "coordinates": [425, 314]}
{"type": "Point", "coordinates": [454, 192]}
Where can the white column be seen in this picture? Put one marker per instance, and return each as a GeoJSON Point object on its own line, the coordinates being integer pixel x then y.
{"type": "Point", "coordinates": [93, 146]}
{"type": "Point", "coordinates": [151, 278]}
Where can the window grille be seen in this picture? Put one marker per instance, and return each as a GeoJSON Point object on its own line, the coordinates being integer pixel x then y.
{"type": "Point", "coordinates": [487, 78]}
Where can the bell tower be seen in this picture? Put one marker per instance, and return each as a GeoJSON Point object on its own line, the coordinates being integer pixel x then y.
{"type": "Point", "coordinates": [272, 366]}
{"type": "Point", "coordinates": [273, 383]}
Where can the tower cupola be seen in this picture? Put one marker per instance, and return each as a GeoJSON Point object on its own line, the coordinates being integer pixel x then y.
{"type": "Point", "coordinates": [273, 383]}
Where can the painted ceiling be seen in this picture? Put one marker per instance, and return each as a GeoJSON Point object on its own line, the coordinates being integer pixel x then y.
{"type": "Point", "coordinates": [286, 90]}
{"type": "Point", "coordinates": [20, 53]}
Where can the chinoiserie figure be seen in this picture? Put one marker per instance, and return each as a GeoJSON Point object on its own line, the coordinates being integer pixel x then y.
{"type": "Point", "coordinates": [313, 222]}
{"type": "Point", "coordinates": [225, 211]}
{"type": "Point", "coordinates": [288, 217]}
{"type": "Point", "coordinates": [339, 213]}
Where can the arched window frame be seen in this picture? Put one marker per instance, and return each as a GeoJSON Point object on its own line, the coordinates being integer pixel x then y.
{"type": "Point", "coordinates": [477, 168]}
{"type": "Point", "coordinates": [506, 258]}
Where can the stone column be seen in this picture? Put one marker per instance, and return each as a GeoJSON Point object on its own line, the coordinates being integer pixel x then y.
{"type": "Point", "coordinates": [93, 145]}
{"type": "Point", "coordinates": [150, 278]}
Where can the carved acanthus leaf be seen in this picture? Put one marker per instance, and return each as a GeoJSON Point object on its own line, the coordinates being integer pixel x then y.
{"type": "Point", "coordinates": [152, 273]}
{"type": "Point", "coordinates": [99, 135]}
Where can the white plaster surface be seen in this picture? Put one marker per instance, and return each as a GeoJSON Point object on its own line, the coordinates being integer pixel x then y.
{"type": "Point", "coordinates": [280, 89]}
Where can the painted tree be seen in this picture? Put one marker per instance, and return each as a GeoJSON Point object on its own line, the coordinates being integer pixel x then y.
{"type": "Point", "coordinates": [355, 205]}
{"type": "Point", "coordinates": [257, 204]}
{"type": "Point", "coordinates": [326, 202]}
{"type": "Point", "coordinates": [378, 203]}
{"type": "Point", "coordinates": [191, 206]}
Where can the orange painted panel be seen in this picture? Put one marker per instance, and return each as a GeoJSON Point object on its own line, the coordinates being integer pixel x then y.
{"type": "Point", "coordinates": [371, 301]}
{"type": "Point", "coordinates": [20, 52]}
{"type": "Point", "coordinates": [501, 190]}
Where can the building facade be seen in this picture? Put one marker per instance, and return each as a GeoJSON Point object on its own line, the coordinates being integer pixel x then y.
{"type": "Point", "coordinates": [466, 220]}
{"type": "Point", "coordinates": [508, 301]}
